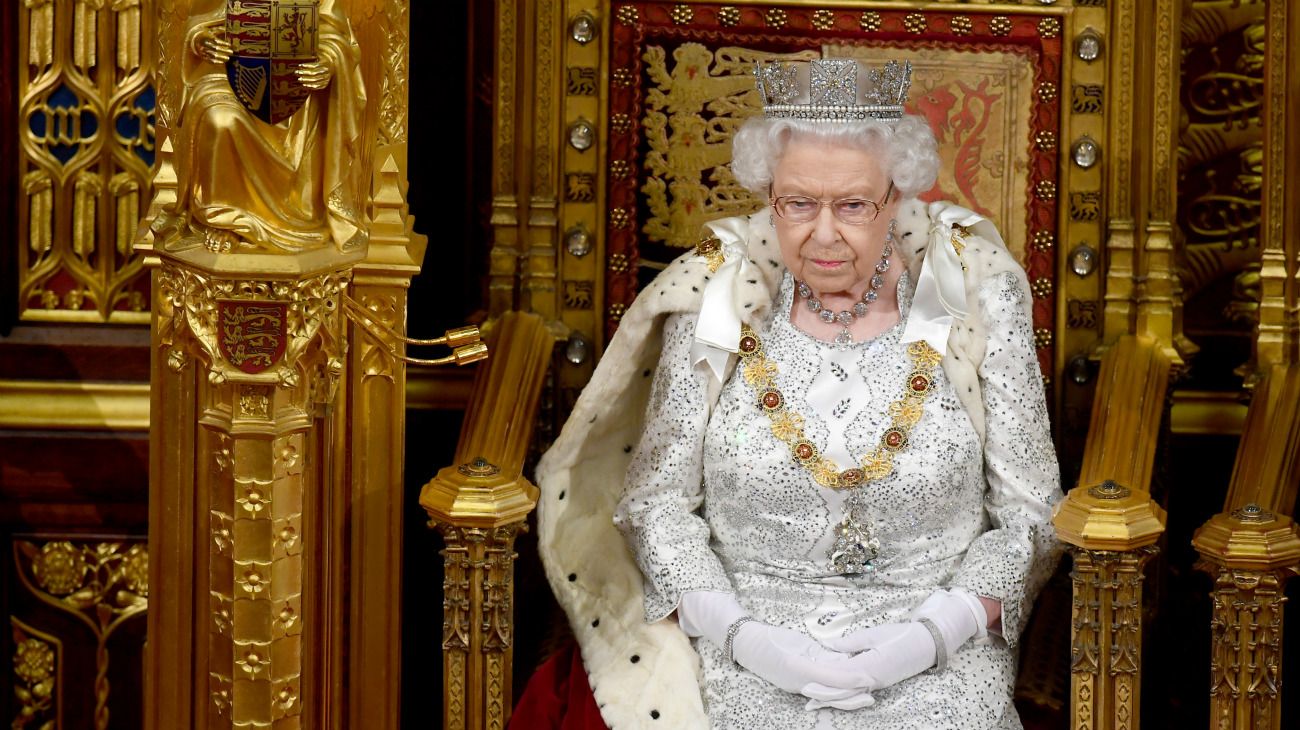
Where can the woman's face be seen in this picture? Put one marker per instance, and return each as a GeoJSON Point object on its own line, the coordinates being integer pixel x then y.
{"type": "Point", "coordinates": [828, 254]}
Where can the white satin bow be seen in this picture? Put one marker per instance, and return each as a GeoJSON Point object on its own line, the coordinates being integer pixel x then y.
{"type": "Point", "coordinates": [941, 288]}
{"type": "Point", "coordinates": [717, 331]}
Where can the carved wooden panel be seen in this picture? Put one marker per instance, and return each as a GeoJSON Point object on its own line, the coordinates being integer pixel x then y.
{"type": "Point", "coordinates": [85, 145]}
{"type": "Point", "coordinates": [75, 630]}
{"type": "Point", "coordinates": [1221, 155]}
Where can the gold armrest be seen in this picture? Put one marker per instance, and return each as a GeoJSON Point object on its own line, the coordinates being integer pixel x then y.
{"type": "Point", "coordinates": [479, 504]}
{"type": "Point", "coordinates": [1111, 508]}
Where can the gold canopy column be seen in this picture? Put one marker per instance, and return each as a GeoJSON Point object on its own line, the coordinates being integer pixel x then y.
{"type": "Point", "coordinates": [276, 424]}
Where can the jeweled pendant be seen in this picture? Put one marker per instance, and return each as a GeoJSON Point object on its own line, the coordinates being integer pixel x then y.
{"type": "Point", "coordinates": [844, 338]}
{"type": "Point", "coordinates": [855, 547]}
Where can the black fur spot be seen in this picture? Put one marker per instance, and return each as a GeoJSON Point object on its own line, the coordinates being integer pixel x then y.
{"type": "Point", "coordinates": [562, 495]}
{"type": "Point", "coordinates": [654, 714]}
{"type": "Point", "coordinates": [595, 623]}
{"type": "Point", "coordinates": [636, 658]}
{"type": "Point", "coordinates": [573, 577]}
{"type": "Point", "coordinates": [627, 449]}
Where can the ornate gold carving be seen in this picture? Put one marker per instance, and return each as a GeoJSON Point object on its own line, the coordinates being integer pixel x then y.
{"type": "Point", "coordinates": [1049, 27]}
{"type": "Point", "coordinates": [37, 659]}
{"type": "Point", "coordinates": [729, 15]}
{"type": "Point", "coordinates": [823, 19]}
{"type": "Point", "coordinates": [543, 64]}
{"type": "Point", "coordinates": [775, 17]}
{"type": "Point", "coordinates": [1045, 139]}
{"type": "Point", "coordinates": [59, 568]}
{"type": "Point", "coordinates": [89, 129]}
{"type": "Point", "coordinates": [618, 263]}
{"type": "Point", "coordinates": [682, 14]}
{"type": "Point", "coordinates": [1106, 636]}
{"type": "Point", "coordinates": [312, 306]}
{"type": "Point", "coordinates": [1042, 337]}
{"type": "Point", "coordinates": [961, 25]}
{"type": "Point", "coordinates": [102, 584]}
{"type": "Point", "coordinates": [1000, 25]}
{"type": "Point", "coordinates": [616, 311]}
{"type": "Point", "coordinates": [477, 633]}
{"type": "Point", "coordinates": [1246, 646]}
{"type": "Point", "coordinates": [1277, 331]}
{"type": "Point", "coordinates": [1045, 190]}
{"type": "Point", "coordinates": [871, 21]}
{"type": "Point", "coordinates": [915, 23]}
{"type": "Point", "coordinates": [394, 99]}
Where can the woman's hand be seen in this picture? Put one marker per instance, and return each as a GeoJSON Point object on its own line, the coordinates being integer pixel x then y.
{"type": "Point", "coordinates": [212, 46]}
{"type": "Point", "coordinates": [784, 657]}
{"type": "Point", "coordinates": [798, 664]}
{"type": "Point", "coordinates": [891, 653]}
{"type": "Point", "coordinates": [315, 75]}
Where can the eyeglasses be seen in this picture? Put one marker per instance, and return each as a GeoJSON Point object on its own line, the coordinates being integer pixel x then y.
{"type": "Point", "coordinates": [853, 211]}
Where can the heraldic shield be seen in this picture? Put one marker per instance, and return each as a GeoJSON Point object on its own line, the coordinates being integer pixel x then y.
{"type": "Point", "coordinates": [252, 334]}
{"type": "Point", "coordinates": [270, 39]}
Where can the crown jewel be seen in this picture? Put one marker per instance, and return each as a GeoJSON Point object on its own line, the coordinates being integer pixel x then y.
{"type": "Point", "coordinates": [833, 89]}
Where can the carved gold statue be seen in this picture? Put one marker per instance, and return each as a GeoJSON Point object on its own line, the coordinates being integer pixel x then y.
{"type": "Point", "coordinates": [255, 173]}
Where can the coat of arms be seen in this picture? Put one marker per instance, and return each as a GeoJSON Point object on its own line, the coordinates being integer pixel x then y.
{"type": "Point", "coordinates": [252, 334]}
{"type": "Point", "coordinates": [270, 39]}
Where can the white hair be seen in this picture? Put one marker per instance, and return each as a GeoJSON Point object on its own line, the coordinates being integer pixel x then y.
{"type": "Point", "coordinates": [908, 152]}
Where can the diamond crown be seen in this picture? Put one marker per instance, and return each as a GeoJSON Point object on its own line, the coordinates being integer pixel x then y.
{"type": "Point", "coordinates": [833, 89]}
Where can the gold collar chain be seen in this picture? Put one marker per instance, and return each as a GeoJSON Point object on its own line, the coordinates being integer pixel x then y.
{"type": "Point", "coordinates": [787, 426]}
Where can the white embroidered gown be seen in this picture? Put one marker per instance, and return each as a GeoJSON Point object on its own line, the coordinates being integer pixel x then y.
{"type": "Point", "coordinates": [714, 501]}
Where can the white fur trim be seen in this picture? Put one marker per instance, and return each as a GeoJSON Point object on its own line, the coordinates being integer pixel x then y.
{"type": "Point", "coordinates": [581, 476]}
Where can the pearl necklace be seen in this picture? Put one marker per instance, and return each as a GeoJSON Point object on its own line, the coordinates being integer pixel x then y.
{"type": "Point", "coordinates": [846, 317]}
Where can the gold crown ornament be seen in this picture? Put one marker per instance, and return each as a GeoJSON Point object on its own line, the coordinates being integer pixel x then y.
{"type": "Point", "coordinates": [833, 89]}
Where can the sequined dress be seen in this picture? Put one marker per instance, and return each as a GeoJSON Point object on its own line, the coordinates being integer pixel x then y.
{"type": "Point", "coordinates": [714, 501]}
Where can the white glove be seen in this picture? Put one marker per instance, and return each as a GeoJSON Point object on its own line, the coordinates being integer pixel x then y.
{"type": "Point", "coordinates": [894, 652]}
{"type": "Point", "coordinates": [786, 658]}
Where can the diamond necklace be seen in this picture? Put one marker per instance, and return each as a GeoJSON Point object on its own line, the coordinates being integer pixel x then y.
{"type": "Point", "coordinates": [846, 317]}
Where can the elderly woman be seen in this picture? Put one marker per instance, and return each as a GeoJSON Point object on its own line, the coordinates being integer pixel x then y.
{"type": "Point", "coordinates": [824, 439]}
